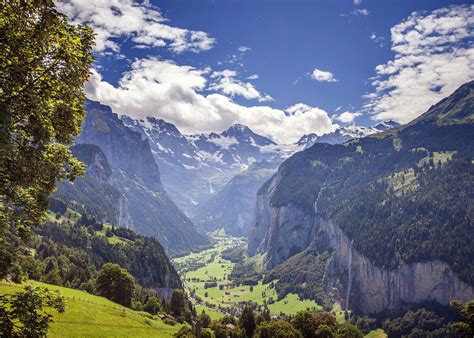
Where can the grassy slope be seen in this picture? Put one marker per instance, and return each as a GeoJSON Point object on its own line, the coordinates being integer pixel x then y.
{"type": "Point", "coordinates": [88, 315]}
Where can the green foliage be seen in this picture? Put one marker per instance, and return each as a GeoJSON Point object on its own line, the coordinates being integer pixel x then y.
{"type": "Point", "coordinates": [466, 311]}
{"type": "Point", "coordinates": [277, 329]}
{"type": "Point", "coordinates": [186, 331]}
{"type": "Point", "coordinates": [206, 333]}
{"type": "Point", "coordinates": [152, 305]}
{"type": "Point", "coordinates": [347, 330]}
{"type": "Point", "coordinates": [304, 274]}
{"type": "Point", "coordinates": [235, 254]}
{"type": "Point", "coordinates": [178, 302]}
{"type": "Point", "coordinates": [432, 222]}
{"type": "Point", "coordinates": [44, 63]}
{"type": "Point", "coordinates": [25, 313]}
{"type": "Point", "coordinates": [247, 321]}
{"type": "Point", "coordinates": [312, 324]}
{"type": "Point", "coordinates": [88, 315]}
{"type": "Point", "coordinates": [324, 331]}
{"type": "Point", "coordinates": [432, 320]}
{"type": "Point", "coordinates": [79, 253]}
{"type": "Point", "coordinates": [115, 283]}
{"type": "Point", "coordinates": [204, 319]}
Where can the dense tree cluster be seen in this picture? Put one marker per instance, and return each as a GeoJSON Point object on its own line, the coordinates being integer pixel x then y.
{"type": "Point", "coordinates": [303, 274]}
{"type": "Point", "coordinates": [433, 221]}
{"type": "Point", "coordinates": [71, 255]}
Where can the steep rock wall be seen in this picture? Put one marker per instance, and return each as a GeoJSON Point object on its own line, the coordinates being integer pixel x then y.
{"type": "Point", "coordinates": [279, 233]}
{"type": "Point", "coordinates": [375, 289]}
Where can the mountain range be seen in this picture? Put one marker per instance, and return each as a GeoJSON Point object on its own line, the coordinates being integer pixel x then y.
{"type": "Point", "coordinates": [132, 192]}
{"type": "Point", "coordinates": [204, 171]}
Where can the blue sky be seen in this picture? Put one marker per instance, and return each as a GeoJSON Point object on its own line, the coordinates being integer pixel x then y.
{"type": "Point", "coordinates": [203, 82]}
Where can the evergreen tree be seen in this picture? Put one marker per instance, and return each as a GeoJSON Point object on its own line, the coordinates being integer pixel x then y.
{"type": "Point", "coordinates": [247, 321]}
{"type": "Point", "coordinates": [178, 302]}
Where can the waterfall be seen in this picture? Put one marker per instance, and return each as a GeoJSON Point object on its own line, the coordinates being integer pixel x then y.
{"type": "Point", "coordinates": [349, 273]}
{"type": "Point", "coordinates": [317, 200]}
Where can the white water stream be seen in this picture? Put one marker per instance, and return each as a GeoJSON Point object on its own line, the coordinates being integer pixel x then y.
{"type": "Point", "coordinates": [349, 276]}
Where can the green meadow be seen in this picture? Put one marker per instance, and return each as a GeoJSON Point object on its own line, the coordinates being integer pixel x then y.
{"type": "Point", "coordinates": [87, 315]}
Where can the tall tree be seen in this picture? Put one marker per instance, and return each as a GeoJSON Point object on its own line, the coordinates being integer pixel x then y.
{"type": "Point", "coordinates": [115, 283]}
{"type": "Point", "coordinates": [247, 321]}
{"type": "Point", "coordinates": [44, 62]}
{"type": "Point", "coordinates": [178, 302]}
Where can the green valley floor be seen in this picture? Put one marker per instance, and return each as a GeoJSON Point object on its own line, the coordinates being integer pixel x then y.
{"type": "Point", "coordinates": [208, 266]}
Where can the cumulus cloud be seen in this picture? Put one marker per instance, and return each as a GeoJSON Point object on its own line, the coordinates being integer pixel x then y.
{"type": "Point", "coordinates": [225, 81]}
{"type": "Point", "coordinates": [253, 77]}
{"type": "Point", "coordinates": [142, 22]}
{"type": "Point", "coordinates": [347, 117]}
{"type": "Point", "coordinates": [161, 88]}
{"type": "Point", "coordinates": [357, 2]}
{"type": "Point", "coordinates": [322, 76]}
{"type": "Point", "coordinates": [434, 55]}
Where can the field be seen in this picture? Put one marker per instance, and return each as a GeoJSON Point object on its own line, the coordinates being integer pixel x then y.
{"type": "Point", "coordinates": [208, 266]}
{"type": "Point", "coordinates": [87, 315]}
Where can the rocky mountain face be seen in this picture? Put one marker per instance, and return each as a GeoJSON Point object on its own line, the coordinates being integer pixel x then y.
{"type": "Point", "coordinates": [344, 134]}
{"type": "Point", "coordinates": [145, 205]}
{"type": "Point", "coordinates": [233, 207]}
{"type": "Point", "coordinates": [392, 210]}
{"type": "Point", "coordinates": [194, 167]}
{"type": "Point", "coordinates": [94, 193]}
{"type": "Point", "coordinates": [210, 176]}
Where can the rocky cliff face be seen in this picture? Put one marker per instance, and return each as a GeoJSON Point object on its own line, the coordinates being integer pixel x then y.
{"type": "Point", "coordinates": [145, 205]}
{"type": "Point", "coordinates": [373, 289]}
{"type": "Point", "coordinates": [95, 192]}
{"type": "Point", "coordinates": [279, 232]}
{"type": "Point", "coordinates": [394, 208]}
{"type": "Point", "coordinates": [282, 232]}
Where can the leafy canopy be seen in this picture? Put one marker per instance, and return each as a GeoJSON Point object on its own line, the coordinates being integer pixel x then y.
{"type": "Point", "coordinates": [23, 314]}
{"type": "Point", "coordinates": [116, 284]}
{"type": "Point", "coordinates": [44, 62]}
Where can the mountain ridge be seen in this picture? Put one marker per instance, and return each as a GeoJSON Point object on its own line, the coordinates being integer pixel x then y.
{"type": "Point", "coordinates": [379, 192]}
{"type": "Point", "coordinates": [145, 206]}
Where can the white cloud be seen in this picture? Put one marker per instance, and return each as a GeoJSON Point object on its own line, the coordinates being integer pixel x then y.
{"type": "Point", "coordinates": [244, 49]}
{"type": "Point", "coordinates": [362, 12]}
{"type": "Point", "coordinates": [141, 22]}
{"type": "Point", "coordinates": [226, 83]}
{"type": "Point", "coordinates": [357, 2]}
{"type": "Point", "coordinates": [379, 40]}
{"type": "Point", "coordinates": [322, 76]}
{"type": "Point", "coordinates": [161, 88]}
{"type": "Point", "coordinates": [253, 77]}
{"type": "Point", "coordinates": [434, 55]}
{"type": "Point", "coordinates": [347, 117]}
